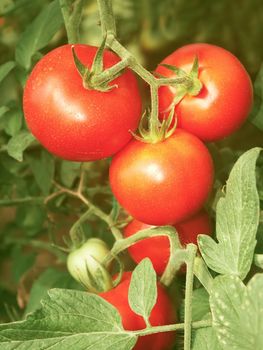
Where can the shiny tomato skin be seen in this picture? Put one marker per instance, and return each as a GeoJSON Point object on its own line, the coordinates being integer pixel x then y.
{"type": "Point", "coordinates": [165, 182]}
{"type": "Point", "coordinates": [162, 314]}
{"type": "Point", "coordinates": [157, 249]}
{"type": "Point", "coordinates": [75, 123]}
{"type": "Point", "coordinates": [225, 99]}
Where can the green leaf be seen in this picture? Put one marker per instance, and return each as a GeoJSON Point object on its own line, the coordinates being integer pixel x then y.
{"type": "Point", "coordinates": [237, 312]}
{"type": "Point", "coordinates": [3, 110]}
{"type": "Point", "coordinates": [206, 339]}
{"type": "Point", "coordinates": [5, 69]}
{"type": "Point", "coordinates": [50, 278]}
{"type": "Point", "coordinates": [69, 320]}
{"type": "Point", "coordinates": [39, 33]}
{"type": "Point", "coordinates": [256, 116]}
{"type": "Point", "coordinates": [69, 172]}
{"type": "Point", "coordinates": [13, 121]}
{"type": "Point", "coordinates": [43, 170]}
{"type": "Point", "coordinates": [237, 221]}
{"type": "Point", "coordinates": [143, 290]}
{"type": "Point", "coordinates": [18, 144]}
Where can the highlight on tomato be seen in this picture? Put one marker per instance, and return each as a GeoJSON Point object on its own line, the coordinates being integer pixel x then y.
{"type": "Point", "coordinates": [157, 249]}
{"type": "Point", "coordinates": [71, 121]}
{"type": "Point", "coordinates": [224, 101]}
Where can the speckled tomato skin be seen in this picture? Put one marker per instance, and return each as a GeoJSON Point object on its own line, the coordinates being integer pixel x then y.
{"type": "Point", "coordinates": [75, 123]}
{"type": "Point", "coordinates": [162, 183]}
{"type": "Point", "coordinates": [163, 313]}
{"type": "Point", "coordinates": [225, 99]}
{"type": "Point", "coordinates": [157, 249]}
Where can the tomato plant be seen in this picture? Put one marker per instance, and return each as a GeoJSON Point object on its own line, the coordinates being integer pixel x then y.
{"type": "Point", "coordinates": [162, 313]}
{"type": "Point", "coordinates": [158, 248]}
{"type": "Point", "coordinates": [71, 121]}
{"type": "Point", "coordinates": [162, 183]}
{"type": "Point", "coordinates": [226, 96]}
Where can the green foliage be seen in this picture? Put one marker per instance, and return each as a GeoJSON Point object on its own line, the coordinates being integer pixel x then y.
{"type": "Point", "coordinates": [38, 34]}
{"type": "Point", "coordinates": [237, 312]}
{"type": "Point", "coordinates": [143, 291]}
{"type": "Point", "coordinates": [69, 319]}
{"type": "Point", "coordinates": [237, 218]}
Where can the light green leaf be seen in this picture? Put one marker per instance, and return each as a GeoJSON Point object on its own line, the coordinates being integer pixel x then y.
{"type": "Point", "coordinates": [39, 33]}
{"type": "Point", "coordinates": [143, 290]}
{"type": "Point", "coordinates": [238, 312]}
{"type": "Point", "coordinates": [69, 320]}
{"type": "Point", "coordinates": [18, 144]}
{"type": "Point", "coordinates": [5, 69]}
{"type": "Point", "coordinates": [43, 170]}
{"type": "Point", "coordinates": [206, 339]}
{"type": "Point", "coordinates": [258, 260]}
{"type": "Point", "coordinates": [237, 221]}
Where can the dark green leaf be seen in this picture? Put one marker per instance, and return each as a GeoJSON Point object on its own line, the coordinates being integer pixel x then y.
{"type": "Point", "coordinates": [39, 33]}
{"type": "Point", "coordinates": [256, 117]}
{"type": "Point", "coordinates": [43, 170]}
{"type": "Point", "coordinates": [19, 143]}
{"type": "Point", "coordinates": [5, 69]}
{"type": "Point", "coordinates": [237, 221]}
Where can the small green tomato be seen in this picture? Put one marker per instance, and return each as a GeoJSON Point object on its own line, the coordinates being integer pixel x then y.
{"type": "Point", "coordinates": [85, 265]}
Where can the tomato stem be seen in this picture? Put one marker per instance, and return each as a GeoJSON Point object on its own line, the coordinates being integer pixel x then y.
{"type": "Point", "coordinates": [71, 11]}
{"type": "Point", "coordinates": [106, 17]}
{"type": "Point", "coordinates": [172, 327]}
{"type": "Point", "coordinates": [191, 250]}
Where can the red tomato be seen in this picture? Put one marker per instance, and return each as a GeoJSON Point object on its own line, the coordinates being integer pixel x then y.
{"type": "Point", "coordinates": [165, 182]}
{"type": "Point", "coordinates": [224, 100]}
{"type": "Point", "coordinates": [162, 314]}
{"type": "Point", "coordinates": [158, 248]}
{"type": "Point", "coordinates": [75, 123]}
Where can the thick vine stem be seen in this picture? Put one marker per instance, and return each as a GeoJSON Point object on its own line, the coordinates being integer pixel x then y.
{"type": "Point", "coordinates": [106, 17]}
{"type": "Point", "coordinates": [191, 250]}
{"type": "Point", "coordinates": [177, 255]}
{"type": "Point", "coordinates": [71, 11]}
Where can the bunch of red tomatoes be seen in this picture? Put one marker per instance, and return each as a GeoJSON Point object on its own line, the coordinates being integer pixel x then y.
{"type": "Point", "coordinates": [162, 183]}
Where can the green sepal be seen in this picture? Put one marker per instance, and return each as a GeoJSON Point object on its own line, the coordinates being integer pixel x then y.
{"type": "Point", "coordinates": [179, 71]}
{"type": "Point", "coordinates": [97, 65]}
{"type": "Point", "coordinates": [82, 69]}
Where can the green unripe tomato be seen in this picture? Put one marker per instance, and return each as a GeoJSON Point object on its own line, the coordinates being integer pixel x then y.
{"type": "Point", "coordinates": [85, 265]}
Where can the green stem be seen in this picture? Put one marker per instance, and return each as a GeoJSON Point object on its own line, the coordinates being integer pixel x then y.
{"type": "Point", "coordinates": [202, 273]}
{"type": "Point", "coordinates": [172, 327]}
{"type": "Point", "coordinates": [17, 201]}
{"type": "Point", "coordinates": [154, 120]}
{"type": "Point", "coordinates": [38, 245]}
{"type": "Point", "coordinates": [106, 17]}
{"type": "Point", "coordinates": [71, 11]}
{"type": "Point", "coordinates": [177, 255]}
{"type": "Point", "coordinates": [191, 250]}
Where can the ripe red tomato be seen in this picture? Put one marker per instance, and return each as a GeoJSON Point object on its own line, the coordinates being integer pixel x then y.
{"type": "Point", "coordinates": [224, 100]}
{"type": "Point", "coordinates": [75, 123]}
{"type": "Point", "coordinates": [162, 314]}
{"type": "Point", "coordinates": [165, 182]}
{"type": "Point", "coordinates": [158, 248]}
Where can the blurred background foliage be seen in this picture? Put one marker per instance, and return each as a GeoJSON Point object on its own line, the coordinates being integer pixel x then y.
{"type": "Point", "coordinates": [151, 29]}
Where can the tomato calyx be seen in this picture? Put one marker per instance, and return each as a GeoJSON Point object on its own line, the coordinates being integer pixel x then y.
{"type": "Point", "coordinates": [89, 76]}
{"type": "Point", "coordinates": [153, 134]}
{"type": "Point", "coordinates": [86, 265]}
